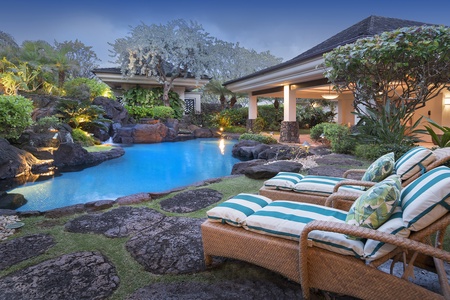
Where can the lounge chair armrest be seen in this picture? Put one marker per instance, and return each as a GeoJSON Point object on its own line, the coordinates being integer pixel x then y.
{"type": "Point", "coordinates": [340, 196]}
{"type": "Point", "coordinates": [367, 233]}
{"type": "Point", "coordinates": [354, 171]}
{"type": "Point", "coordinates": [353, 182]}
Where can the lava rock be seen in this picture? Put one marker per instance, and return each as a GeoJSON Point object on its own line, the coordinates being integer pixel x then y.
{"type": "Point", "coordinates": [269, 170]}
{"type": "Point", "coordinates": [191, 200]}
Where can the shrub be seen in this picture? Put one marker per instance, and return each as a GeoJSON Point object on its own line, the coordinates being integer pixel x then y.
{"type": "Point", "coordinates": [163, 112]}
{"type": "Point", "coordinates": [316, 131]}
{"type": "Point", "coordinates": [339, 136]}
{"type": "Point", "coordinates": [44, 123]}
{"type": "Point", "coordinates": [82, 137]}
{"type": "Point", "coordinates": [258, 125]}
{"type": "Point", "coordinates": [139, 112]}
{"type": "Point", "coordinates": [441, 140]}
{"type": "Point", "coordinates": [371, 152]}
{"type": "Point", "coordinates": [82, 88]}
{"type": "Point", "coordinates": [259, 138]}
{"type": "Point", "coordinates": [15, 115]}
{"type": "Point", "coordinates": [235, 129]}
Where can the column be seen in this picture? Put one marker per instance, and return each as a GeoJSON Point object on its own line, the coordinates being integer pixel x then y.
{"type": "Point", "coordinates": [289, 131]}
{"type": "Point", "coordinates": [252, 110]}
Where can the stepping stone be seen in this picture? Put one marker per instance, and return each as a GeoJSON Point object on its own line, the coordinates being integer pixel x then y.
{"type": "Point", "coordinates": [191, 200]}
{"type": "Point", "coordinates": [119, 222]}
{"type": "Point", "coordinates": [80, 275]}
{"type": "Point", "coordinates": [20, 249]}
{"type": "Point", "coordinates": [173, 246]}
{"type": "Point", "coordinates": [229, 289]}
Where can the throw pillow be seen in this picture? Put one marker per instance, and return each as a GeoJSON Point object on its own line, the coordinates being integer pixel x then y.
{"type": "Point", "coordinates": [414, 161]}
{"type": "Point", "coordinates": [283, 181]}
{"type": "Point", "coordinates": [380, 169]}
{"type": "Point", "coordinates": [376, 205]}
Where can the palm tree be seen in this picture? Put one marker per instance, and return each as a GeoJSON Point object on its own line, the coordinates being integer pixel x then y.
{"type": "Point", "coordinates": [215, 87]}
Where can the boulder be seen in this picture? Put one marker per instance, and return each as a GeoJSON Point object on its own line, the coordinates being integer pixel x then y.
{"type": "Point", "coordinates": [114, 111]}
{"type": "Point", "coordinates": [244, 149]}
{"type": "Point", "coordinates": [73, 154]}
{"type": "Point", "coordinates": [203, 133]}
{"type": "Point", "coordinates": [11, 201]}
{"type": "Point", "coordinates": [149, 133]}
{"type": "Point", "coordinates": [240, 167]}
{"type": "Point", "coordinates": [269, 170]}
{"type": "Point", "coordinates": [14, 162]}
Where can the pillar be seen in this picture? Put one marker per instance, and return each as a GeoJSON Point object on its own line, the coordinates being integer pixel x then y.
{"type": "Point", "coordinates": [252, 110]}
{"type": "Point", "coordinates": [289, 131]}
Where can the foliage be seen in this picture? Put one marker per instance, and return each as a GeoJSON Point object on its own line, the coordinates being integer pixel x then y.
{"type": "Point", "coordinates": [317, 130]}
{"type": "Point", "coordinates": [81, 114]}
{"type": "Point", "coordinates": [82, 88]}
{"type": "Point", "coordinates": [371, 152]}
{"type": "Point", "coordinates": [82, 137]}
{"type": "Point", "coordinates": [258, 125]}
{"type": "Point", "coordinates": [312, 113]}
{"type": "Point", "coordinates": [83, 58]}
{"type": "Point", "coordinates": [21, 77]}
{"type": "Point", "coordinates": [235, 129]}
{"type": "Point", "coordinates": [15, 115]}
{"type": "Point", "coordinates": [258, 137]}
{"type": "Point", "coordinates": [44, 123]}
{"type": "Point", "coordinates": [443, 139]}
{"type": "Point", "coordinates": [407, 66]}
{"type": "Point", "coordinates": [390, 124]}
{"type": "Point", "coordinates": [166, 52]}
{"type": "Point", "coordinates": [149, 98]}
{"type": "Point", "coordinates": [162, 112]}
{"type": "Point", "coordinates": [339, 137]}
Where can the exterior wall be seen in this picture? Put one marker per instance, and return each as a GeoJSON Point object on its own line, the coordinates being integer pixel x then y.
{"type": "Point", "coordinates": [344, 111]}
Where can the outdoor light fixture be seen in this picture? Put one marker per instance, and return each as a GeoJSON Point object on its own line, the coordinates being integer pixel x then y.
{"type": "Point", "coordinates": [306, 145]}
{"type": "Point", "coordinates": [330, 96]}
{"type": "Point", "coordinates": [447, 101]}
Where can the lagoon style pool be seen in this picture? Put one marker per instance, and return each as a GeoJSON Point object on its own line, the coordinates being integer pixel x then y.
{"type": "Point", "coordinates": [143, 168]}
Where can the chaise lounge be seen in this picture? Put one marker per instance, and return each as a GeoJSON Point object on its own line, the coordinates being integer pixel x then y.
{"type": "Point", "coordinates": [316, 189]}
{"type": "Point", "coordinates": [322, 247]}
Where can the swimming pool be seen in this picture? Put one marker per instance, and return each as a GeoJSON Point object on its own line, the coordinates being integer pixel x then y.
{"type": "Point", "coordinates": [143, 168]}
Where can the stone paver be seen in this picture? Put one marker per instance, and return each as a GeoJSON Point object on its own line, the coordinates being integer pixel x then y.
{"type": "Point", "coordinates": [119, 222]}
{"type": "Point", "coordinates": [80, 275]}
{"type": "Point", "coordinates": [174, 246]}
{"type": "Point", "coordinates": [191, 200]}
{"type": "Point", "coordinates": [230, 289]}
{"type": "Point", "coordinates": [16, 250]}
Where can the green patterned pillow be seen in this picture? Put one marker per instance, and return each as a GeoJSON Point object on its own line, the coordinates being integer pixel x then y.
{"type": "Point", "coordinates": [376, 205]}
{"type": "Point", "coordinates": [380, 169]}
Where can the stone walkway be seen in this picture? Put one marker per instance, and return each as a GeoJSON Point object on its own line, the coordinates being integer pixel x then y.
{"type": "Point", "coordinates": [161, 244]}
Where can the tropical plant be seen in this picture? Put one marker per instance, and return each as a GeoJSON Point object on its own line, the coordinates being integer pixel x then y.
{"type": "Point", "coordinates": [149, 98]}
{"type": "Point", "coordinates": [317, 130]}
{"type": "Point", "coordinates": [162, 112]}
{"type": "Point", "coordinates": [312, 112]}
{"type": "Point", "coordinates": [81, 114]}
{"type": "Point", "coordinates": [440, 139]}
{"type": "Point", "coordinates": [407, 66]}
{"type": "Point", "coordinates": [82, 137]}
{"type": "Point", "coordinates": [15, 115]}
{"type": "Point", "coordinates": [83, 58]}
{"type": "Point", "coordinates": [22, 77]}
{"type": "Point", "coordinates": [339, 137]}
{"type": "Point", "coordinates": [45, 123]}
{"type": "Point", "coordinates": [390, 124]}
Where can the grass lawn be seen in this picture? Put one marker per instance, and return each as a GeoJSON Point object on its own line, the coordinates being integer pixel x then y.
{"type": "Point", "coordinates": [132, 275]}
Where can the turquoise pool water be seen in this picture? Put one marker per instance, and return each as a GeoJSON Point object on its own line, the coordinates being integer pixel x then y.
{"type": "Point", "coordinates": [143, 168]}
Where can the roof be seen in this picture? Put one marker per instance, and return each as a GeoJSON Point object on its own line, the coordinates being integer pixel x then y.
{"type": "Point", "coordinates": [117, 71]}
{"type": "Point", "coordinates": [368, 27]}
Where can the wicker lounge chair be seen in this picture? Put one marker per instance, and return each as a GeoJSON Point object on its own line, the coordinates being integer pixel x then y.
{"type": "Point", "coordinates": [415, 167]}
{"type": "Point", "coordinates": [314, 265]}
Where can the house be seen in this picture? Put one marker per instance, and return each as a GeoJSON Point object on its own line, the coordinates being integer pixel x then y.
{"type": "Point", "coordinates": [184, 87]}
{"type": "Point", "coordinates": [300, 78]}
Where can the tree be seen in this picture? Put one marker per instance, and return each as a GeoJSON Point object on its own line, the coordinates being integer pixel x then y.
{"type": "Point", "coordinates": [83, 58]}
{"type": "Point", "coordinates": [406, 67]}
{"type": "Point", "coordinates": [165, 52]}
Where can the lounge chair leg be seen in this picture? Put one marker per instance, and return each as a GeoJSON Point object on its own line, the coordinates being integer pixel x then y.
{"type": "Point", "coordinates": [208, 260]}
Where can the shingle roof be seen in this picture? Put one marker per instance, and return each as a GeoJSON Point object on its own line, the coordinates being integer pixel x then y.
{"type": "Point", "coordinates": [368, 27]}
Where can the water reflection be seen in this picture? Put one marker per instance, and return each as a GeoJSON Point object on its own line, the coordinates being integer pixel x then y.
{"type": "Point", "coordinates": [222, 146]}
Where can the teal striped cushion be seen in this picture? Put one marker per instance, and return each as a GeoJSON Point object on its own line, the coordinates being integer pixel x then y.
{"type": "Point", "coordinates": [374, 249]}
{"type": "Point", "coordinates": [414, 161]}
{"type": "Point", "coordinates": [426, 199]}
{"type": "Point", "coordinates": [323, 185]}
{"type": "Point", "coordinates": [283, 181]}
{"type": "Point", "coordinates": [235, 210]}
{"type": "Point", "coordinates": [286, 219]}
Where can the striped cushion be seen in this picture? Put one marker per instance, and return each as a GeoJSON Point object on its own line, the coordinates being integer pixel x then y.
{"type": "Point", "coordinates": [323, 185]}
{"type": "Point", "coordinates": [374, 249]}
{"type": "Point", "coordinates": [413, 162]}
{"type": "Point", "coordinates": [426, 199]}
{"type": "Point", "coordinates": [287, 219]}
{"type": "Point", "coordinates": [235, 210]}
{"type": "Point", "coordinates": [283, 181]}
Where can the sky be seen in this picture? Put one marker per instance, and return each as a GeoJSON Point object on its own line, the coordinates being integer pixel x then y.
{"type": "Point", "coordinates": [286, 28]}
